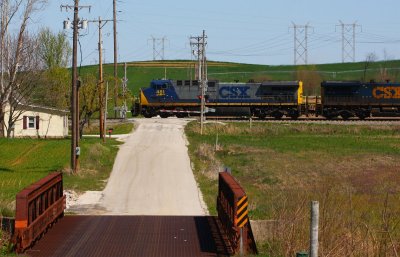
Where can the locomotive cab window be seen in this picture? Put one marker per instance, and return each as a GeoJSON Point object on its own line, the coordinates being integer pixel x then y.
{"type": "Point", "coordinates": [284, 90]}
{"type": "Point", "coordinates": [160, 85]}
{"type": "Point", "coordinates": [211, 83]}
{"type": "Point", "coordinates": [341, 91]}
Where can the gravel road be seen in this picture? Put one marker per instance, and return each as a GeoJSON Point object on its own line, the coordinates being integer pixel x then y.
{"type": "Point", "coordinates": [152, 173]}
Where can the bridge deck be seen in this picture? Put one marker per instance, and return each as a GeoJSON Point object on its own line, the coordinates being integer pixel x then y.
{"type": "Point", "coordinates": [132, 236]}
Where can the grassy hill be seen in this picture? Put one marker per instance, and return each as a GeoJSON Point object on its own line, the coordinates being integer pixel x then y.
{"type": "Point", "coordinates": [139, 74]}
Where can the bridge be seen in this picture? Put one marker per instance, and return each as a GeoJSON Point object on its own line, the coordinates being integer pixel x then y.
{"type": "Point", "coordinates": [42, 229]}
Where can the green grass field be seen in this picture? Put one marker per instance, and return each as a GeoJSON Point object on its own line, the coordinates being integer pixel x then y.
{"type": "Point", "coordinates": [24, 161]}
{"type": "Point", "coordinates": [140, 74]}
{"type": "Point", "coordinates": [353, 171]}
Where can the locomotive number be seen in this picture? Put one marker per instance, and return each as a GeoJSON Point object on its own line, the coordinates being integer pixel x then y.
{"type": "Point", "coordinates": [160, 92]}
{"type": "Point", "coordinates": [386, 92]}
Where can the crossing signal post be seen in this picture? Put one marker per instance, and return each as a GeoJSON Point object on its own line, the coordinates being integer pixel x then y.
{"type": "Point", "coordinates": [200, 43]}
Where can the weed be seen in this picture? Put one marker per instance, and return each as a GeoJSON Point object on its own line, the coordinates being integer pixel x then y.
{"type": "Point", "coordinates": [6, 246]}
{"type": "Point", "coordinates": [118, 128]}
{"type": "Point", "coordinates": [351, 170]}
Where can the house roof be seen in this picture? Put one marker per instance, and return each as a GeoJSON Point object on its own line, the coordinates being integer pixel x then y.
{"type": "Point", "coordinates": [22, 102]}
{"type": "Point", "coordinates": [45, 108]}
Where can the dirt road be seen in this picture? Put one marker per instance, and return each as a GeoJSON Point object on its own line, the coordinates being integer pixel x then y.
{"type": "Point", "coordinates": [152, 173]}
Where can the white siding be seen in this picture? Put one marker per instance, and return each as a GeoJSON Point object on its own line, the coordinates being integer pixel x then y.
{"type": "Point", "coordinates": [52, 123]}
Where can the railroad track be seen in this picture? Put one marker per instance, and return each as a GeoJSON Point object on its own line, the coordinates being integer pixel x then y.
{"type": "Point", "coordinates": [372, 120]}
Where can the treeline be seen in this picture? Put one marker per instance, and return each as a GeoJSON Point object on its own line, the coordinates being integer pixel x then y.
{"type": "Point", "coordinates": [34, 67]}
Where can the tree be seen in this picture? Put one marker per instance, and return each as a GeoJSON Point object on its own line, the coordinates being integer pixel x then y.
{"type": "Point", "coordinates": [22, 79]}
{"type": "Point", "coordinates": [369, 59]}
{"type": "Point", "coordinates": [54, 53]}
{"type": "Point", "coordinates": [88, 99]}
{"type": "Point", "coordinates": [18, 60]}
{"type": "Point", "coordinates": [54, 49]}
{"type": "Point", "coordinates": [52, 89]}
{"type": "Point", "coordinates": [388, 71]}
{"type": "Point", "coordinates": [311, 79]}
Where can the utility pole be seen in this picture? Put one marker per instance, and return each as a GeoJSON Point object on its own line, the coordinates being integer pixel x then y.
{"type": "Point", "coordinates": [300, 43]}
{"type": "Point", "coordinates": [158, 47]}
{"type": "Point", "coordinates": [200, 42]}
{"type": "Point", "coordinates": [76, 24]}
{"type": "Point", "coordinates": [105, 112]}
{"type": "Point", "coordinates": [101, 24]}
{"type": "Point", "coordinates": [348, 41]}
{"type": "Point", "coordinates": [124, 91]}
{"type": "Point", "coordinates": [115, 58]}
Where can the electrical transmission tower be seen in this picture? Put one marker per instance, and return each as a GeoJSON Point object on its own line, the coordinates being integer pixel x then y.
{"type": "Point", "coordinates": [158, 47]}
{"type": "Point", "coordinates": [348, 41]}
{"type": "Point", "coordinates": [300, 43]}
{"type": "Point", "coordinates": [199, 44]}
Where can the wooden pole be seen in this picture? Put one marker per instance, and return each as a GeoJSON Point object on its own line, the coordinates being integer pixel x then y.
{"type": "Point", "coordinates": [74, 101]}
{"type": "Point", "coordinates": [115, 57]}
{"type": "Point", "coordinates": [105, 112]}
{"type": "Point", "coordinates": [101, 127]}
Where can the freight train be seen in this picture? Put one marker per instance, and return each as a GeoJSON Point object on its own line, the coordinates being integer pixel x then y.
{"type": "Point", "coordinates": [275, 99]}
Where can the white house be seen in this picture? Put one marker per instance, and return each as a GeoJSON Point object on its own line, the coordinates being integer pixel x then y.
{"type": "Point", "coordinates": [38, 121]}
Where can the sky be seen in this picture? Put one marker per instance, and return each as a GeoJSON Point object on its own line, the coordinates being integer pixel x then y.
{"type": "Point", "coordinates": [246, 31]}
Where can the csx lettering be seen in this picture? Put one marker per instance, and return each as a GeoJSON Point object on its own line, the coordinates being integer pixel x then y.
{"type": "Point", "coordinates": [386, 92]}
{"type": "Point", "coordinates": [234, 92]}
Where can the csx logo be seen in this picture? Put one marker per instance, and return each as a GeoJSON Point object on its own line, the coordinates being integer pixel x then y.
{"type": "Point", "coordinates": [386, 92]}
{"type": "Point", "coordinates": [234, 92]}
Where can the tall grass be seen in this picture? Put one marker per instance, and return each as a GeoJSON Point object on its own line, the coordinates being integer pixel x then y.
{"type": "Point", "coordinates": [118, 128]}
{"type": "Point", "coordinates": [351, 170]}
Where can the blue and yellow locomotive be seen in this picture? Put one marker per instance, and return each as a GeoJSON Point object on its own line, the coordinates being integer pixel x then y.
{"type": "Point", "coordinates": [359, 99]}
{"type": "Point", "coordinates": [183, 97]}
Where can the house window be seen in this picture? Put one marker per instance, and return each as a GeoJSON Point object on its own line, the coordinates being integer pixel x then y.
{"type": "Point", "coordinates": [31, 122]}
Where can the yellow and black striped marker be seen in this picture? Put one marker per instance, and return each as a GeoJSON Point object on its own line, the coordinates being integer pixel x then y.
{"type": "Point", "coordinates": [242, 212]}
